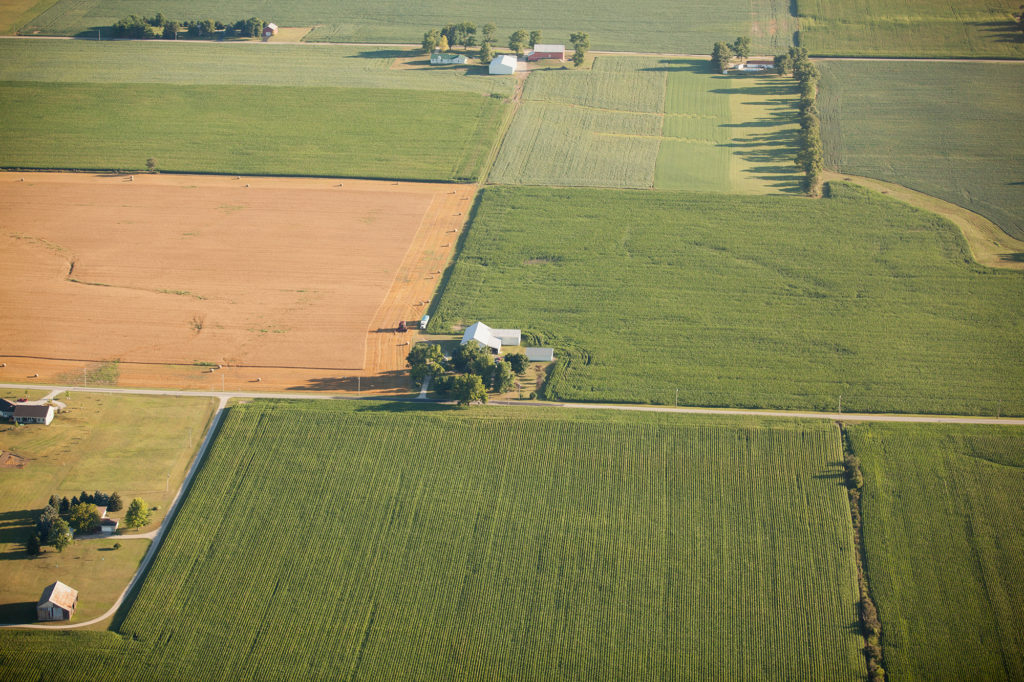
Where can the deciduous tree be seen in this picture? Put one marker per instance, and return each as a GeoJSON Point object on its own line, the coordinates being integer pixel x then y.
{"type": "Point", "coordinates": [60, 535]}
{"type": "Point", "coordinates": [488, 32]}
{"type": "Point", "coordinates": [518, 361]}
{"type": "Point", "coordinates": [137, 514]}
{"type": "Point", "coordinates": [535, 37]}
{"type": "Point", "coordinates": [720, 56]}
{"type": "Point", "coordinates": [502, 378]}
{"type": "Point", "coordinates": [580, 40]}
{"type": "Point", "coordinates": [431, 40]}
{"type": "Point", "coordinates": [468, 388]}
{"type": "Point", "coordinates": [85, 518]}
{"type": "Point", "coordinates": [742, 47]}
{"type": "Point", "coordinates": [486, 53]}
{"type": "Point", "coordinates": [518, 42]}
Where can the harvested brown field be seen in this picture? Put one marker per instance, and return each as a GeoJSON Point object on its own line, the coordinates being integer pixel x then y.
{"type": "Point", "coordinates": [297, 282]}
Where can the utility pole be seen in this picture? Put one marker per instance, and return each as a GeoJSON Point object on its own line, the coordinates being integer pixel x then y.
{"type": "Point", "coordinates": [677, 397]}
{"type": "Point", "coordinates": [359, 384]}
{"type": "Point", "coordinates": [840, 403]}
{"type": "Point", "coordinates": [85, 378]}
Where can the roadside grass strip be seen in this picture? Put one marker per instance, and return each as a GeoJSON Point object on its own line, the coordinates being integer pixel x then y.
{"type": "Point", "coordinates": [248, 130]}
{"type": "Point", "coordinates": [388, 540]}
{"type": "Point", "coordinates": [948, 130]}
{"type": "Point", "coordinates": [743, 301]}
{"type": "Point", "coordinates": [944, 536]}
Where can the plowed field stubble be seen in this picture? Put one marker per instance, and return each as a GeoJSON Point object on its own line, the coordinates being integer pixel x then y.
{"type": "Point", "coordinates": [383, 541]}
{"type": "Point", "coordinates": [254, 272]}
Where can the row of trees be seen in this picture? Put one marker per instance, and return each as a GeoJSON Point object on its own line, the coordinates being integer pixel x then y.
{"type": "Point", "coordinates": [723, 52]}
{"type": "Point", "coordinates": [159, 26]}
{"type": "Point", "coordinates": [870, 623]}
{"type": "Point", "coordinates": [469, 374]}
{"type": "Point", "coordinates": [60, 516]}
{"type": "Point", "coordinates": [465, 35]}
{"type": "Point", "coordinates": [810, 157]}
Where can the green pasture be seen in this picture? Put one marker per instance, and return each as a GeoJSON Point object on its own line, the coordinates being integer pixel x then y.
{"type": "Point", "coordinates": [949, 130]}
{"type": "Point", "coordinates": [139, 446]}
{"type": "Point", "coordinates": [642, 122]}
{"type": "Point", "coordinates": [743, 301]}
{"type": "Point", "coordinates": [944, 535]}
{"type": "Point", "coordinates": [385, 540]}
{"type": "Point", "coordinates": [910, 28]}
{"type": "Point", "coordinates": [231, 63]}
{"type": "Point", "coordinates": [326, 131]}
{"type": "Point", "coordinates": [649, 26]}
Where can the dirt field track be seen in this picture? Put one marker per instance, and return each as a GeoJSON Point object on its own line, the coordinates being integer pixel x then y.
{"type": "Point", "coordinates": [287, 283]}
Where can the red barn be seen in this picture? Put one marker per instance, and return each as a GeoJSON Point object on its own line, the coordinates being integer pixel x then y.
{"type": "Point", "coordinates": [546, 52]}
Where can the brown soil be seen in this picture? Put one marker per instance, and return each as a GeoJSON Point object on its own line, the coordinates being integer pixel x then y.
{"type": "Point", "coordinates": [9, 460]}
{"type": "Point", "coordinates": [285, 282]}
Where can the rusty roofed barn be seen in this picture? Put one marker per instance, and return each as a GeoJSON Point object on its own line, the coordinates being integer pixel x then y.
{"type": "Point", "coordinates": [57, 603]}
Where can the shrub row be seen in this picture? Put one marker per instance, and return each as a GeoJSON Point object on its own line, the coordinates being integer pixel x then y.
{"type": "Point", "coordinates": [870, 624]}
{"type": "Point", "coordinates": [141, 28]}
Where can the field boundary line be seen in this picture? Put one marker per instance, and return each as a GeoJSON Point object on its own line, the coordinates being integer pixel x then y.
{"type": "Point", "coordinates": [984, 238]}
{"type": "Point", "coordinates": [158, 533]}
{"type": "Point", "coordinates": [796, 414]}
{"type": "Point", "coordinates": [506, 125]}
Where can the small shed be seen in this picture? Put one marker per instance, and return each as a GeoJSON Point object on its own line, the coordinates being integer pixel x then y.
{"type": "Point", "coordinates": [502, 65]}
{"type": "Point", "coordinates": [33, 414]}
{"type": "Point", "coordinates": [57, 603]}
{"type": "Point", "coordinates": [539, 354]}
{"type": "Point", "coordinates": [441, 58]}
{"type": "Point", "coordinates": [269, 31]}
{"type": "Point", "coordinates": [546, 52]}
{"type": "Point", "coordinates": [108, 526]}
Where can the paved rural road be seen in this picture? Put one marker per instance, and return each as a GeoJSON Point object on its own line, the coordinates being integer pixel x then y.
{"type": "Point", "coordinates": [156, 535]}
{"type": "Point", "coordinates": [834, 416]}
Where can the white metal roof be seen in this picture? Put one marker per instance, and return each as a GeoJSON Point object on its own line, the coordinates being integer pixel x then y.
{"type": "Point", "coordinates": [481, 333]}
{"type": "Point", "coordinates": [548, 48]}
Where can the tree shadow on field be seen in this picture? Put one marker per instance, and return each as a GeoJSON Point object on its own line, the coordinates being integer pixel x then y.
{"type": "Point", "coordinates": [834, 471]}
{"type": "Point", "coordinates": [387, 54]}
{"type": "Point", "coordinates": [409, 407]}
{"type": "Point", "coordinates": [1001, 31]}
{"type": "Point", "coordinates": [18, 612]}
{"type": "Point", "coordinates": [15, 527]}
{"type": "Point", "coordinates": [691, 65]}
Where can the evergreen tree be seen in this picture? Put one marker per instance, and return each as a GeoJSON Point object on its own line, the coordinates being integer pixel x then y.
{"type": "Point", "coordinates": [32, 546]}
{"type": "Point", "coordinates": [114, 503]}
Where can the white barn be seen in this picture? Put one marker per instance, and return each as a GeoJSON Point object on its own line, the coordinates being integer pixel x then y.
{"type": "Point", "coordinates": [491, 338]}
{"type": "Point", "coordinates": [539, 354]}
{"type": "Point", "coordinates": [503, 65]}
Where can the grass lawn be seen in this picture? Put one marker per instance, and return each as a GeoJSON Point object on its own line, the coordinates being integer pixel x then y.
{"type": "Point", "coordinates": [898, 122]}
{"type": "Point", "coordinates": [138, 446]}
{"type": "Point", "coordinates": [248, 130]}
{"type": "Point", "coordinates": [773, 301]}
{"type": "Point", "coordinates": [433, 543]}
{"type": "Point", "coordinates": [944, 535]}
{"type": "Point", "coordinates": [14, 394]}
{"type": "Point", "coordinates": [911, 28]}
{"type": "Point", "coordinates": [243, 63]}
{"type": "Point", "coordinates": [651, 25]}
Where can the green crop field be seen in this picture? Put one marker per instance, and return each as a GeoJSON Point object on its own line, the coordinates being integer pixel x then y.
{"type": "Point", "coordinates": [642, 122]}
{"type": "Point", "coordinates": [327, 131]}
{"type": "Point", "coordinates": [949, 130]}
{"type": "Point", "coordinates": [774, 301]}
{"type": "Point", "coordinates": [727, 134]}
{"type": "Point", "coordinates": [944, 535]}
{"type": "Point", "coordinates": [650, 26]}
{"type": "Point", "coordinates": [241, 63]}
{"type": "Point", "coordinates": [382, 541]}
{"type": "Point", "coordinates": [911, 28]}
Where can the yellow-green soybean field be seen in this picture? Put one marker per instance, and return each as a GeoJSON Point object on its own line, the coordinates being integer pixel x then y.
{"type": "Point", "coordinates": [365, 540]}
